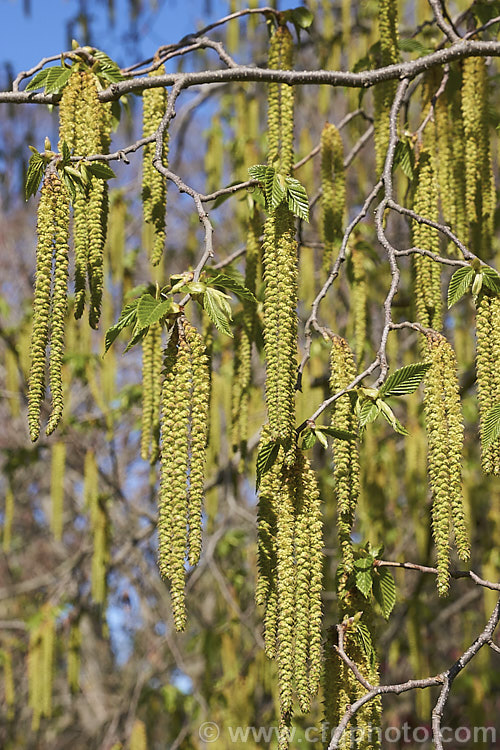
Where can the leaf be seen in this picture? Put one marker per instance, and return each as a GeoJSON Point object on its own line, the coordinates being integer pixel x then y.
{"type": "Point", "coordinates": [265, 459]}
{"type": "Point", "coordinates": [339, 434]}
{"type": "Point", "coordinates": [36, 169]}
{"type": "Point", "coordinates": [227, 282]}
{"type": "Point", "coordinates": [278, 190]}
{"type": "Point", "coordinates": [38, 81]}
{"type": "Point", "coordinates": [405, 158]}
{"type": "Point", "coordinates": [298, 202]}
{"type": "Point", "coordinates": [321, 437]}
{"type": "Point", "coordinates": [365, 640]}
{"type": "Point", "coordinates": [307, 439]}
{"type": "Point", "coordinates": [258, 172]}
{"type": "Point", "coordinates": [491, 279]}
{"type": "Point", "coordinates": [459, 284]}
{"type": "Point", "coordinates": [66, 157]}
{"type": "Point", "coordinates": [368, 412]}
{"type": "Point", "coordinates": [389, 415]}
{"type": "Point", "coordinates": [405, 380]}
{"type": "Point", "coordinates": [413, 45]}
{"type": "Point", "coordinates": [100, 170]}
{"type": "Point", "coordinates": [364, 580]}
{"type": "Point", "coordinates": [490, 429]}
{"type": "Point", "coordinates": [57, 79]}
{"type": "Point", "coordinates": [218, 310]}
{"type": "Point", "coordinates": [384, 591]}
{"type": "Point", "coordinates": [127, 317]}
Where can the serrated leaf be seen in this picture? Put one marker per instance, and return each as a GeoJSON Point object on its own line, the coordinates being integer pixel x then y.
{"type": "Point", "coordinates": [127, 317]}
{"type": "Point", "coordinates": [268, 185]}
{"type": "Point", "coordinates": [368, 412]}
{"type": "Point", "coordinates": [38, 80]}
{"type": "Point", "coordinates": [390, 417]}
{"type": "Point", "coordinates": [459, 284]}
{"type": "Point", "coordinates": [405, 380]}
{"type": "Point", "coordinates": [265, 460]}
{"type": "Point", "coordinates": [339, 434]}
{"type": "Point", "coordinates": [100, 169]}
{"type": "Point", "coordinates": [70, 185]}
{"type": "Point", "coordinates": [405, 158]}
{"type": "Point", "coordinates": [227, 282]}
{"type": "Point", "coordinates": [364, 580]}
{"type": "Point", "coordinates": [278, 190]}
{"type": "Point", "coordinates": [298, 202]}
{"type": "Point", "coordinates": [413, 45]}
{"type": "Point", "coordinates": [258, 172]}
{"type": "Point", "coordinates": [66, 156]}
{"type": "Point", "coordinates": [307, 439]}
{"type": "Point", "coordinates": [384, 591]}
{"type": "Point", "coordinates": [145, 308]}
{"type": "Point", "coordinates": [322, 438]}
{"type": "Point", "coordinates": [491, 279]}
{"type": "Point", "coordinates": [137, 335]}
{"type": "Point", "coordinates": [490, 429]}
{"type": "Point", "coordinates": [364, 563]}
{"type": "Point", "coordinates": [57, 80]}
{"type": "Point", "coordinates": [218, 310]}
{"type": "Point", "coordinates": [36, 169]}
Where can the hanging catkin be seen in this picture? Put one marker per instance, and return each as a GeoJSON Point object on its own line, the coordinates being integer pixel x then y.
{"type": "Point", "coordinates": [428, 302]}
{"type": "Point", "coordinates": [358, 301]}
{"type": "Point", "coordinates": [184, 418]}
{"type": "Point", "coordinates": [333, 192]}
{"type": "Point", "coordinates": [488, 371]}
{"type": "Point", "coordinates": [73, 658]}
{"type": "Point", "coordinates": [154, 185]}
{"type": "Point", "coordinates": [480, 198]}
{"type": "Point", "coordinates": [152, 360]}
{"type": "Point", "coordinates": [40, 665]}
{"type": "Point", "coordinates": [49, 305]}
{"type": "Point", "coordinates": [383, 93]}
{"type": "Point", "coordinates": [443, 421]}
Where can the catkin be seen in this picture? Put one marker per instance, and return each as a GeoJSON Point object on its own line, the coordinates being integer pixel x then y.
{"type": "Point", "coordinates": [183, 433]}
{"type": "Point", "coordinates": [73, 659]}
{"type": "Point", "coordinates": [154, 185]}
{"type": "Point", "coordinates": [444, 428]}
{"type": "Point", "coordinates": [100, 551]}
{"type": "Point", "coordinates": [333, 192]}
{"type": "Point", "coordinates": [40, 666]}
{"type": "Point", "coordinates": [427, 282]}
{"type": "Point", "coordinates": [358, 303]}
{"type": "Point", "coordinates": [346, 470]}
{"type": "Point", "coordinates": [488, 373]}
{"type": "Point", "coordinates": [138, 736]}
{"type": "Point", "coordinates": [280, 104]}
{"type": "Point", "coordinates": [152, 359]}
{"type": "Point", "coordinates": [383, 93]}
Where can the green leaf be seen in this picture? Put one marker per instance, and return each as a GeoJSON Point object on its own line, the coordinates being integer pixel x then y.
{"type": "Point", "coordinates": [258, 172]}
{"type": "Point", "coordinates": [339, 434]}
{"type": "Point", "coordinates": [384, 591]}
{"type": "Point", "coordinates": [298, 202]}
{"type": "Point", "coordinates": [368, 412]}
{"type": "Point", "coordinates": [491, 279]}
{"type": "Point", "coordinates": [145, 308]}
{"type": "Point", "coordinates": [66, 156]}
{"type": "Point", "coordinates": [365, 640]}
{"type": "Point", "coordinates": [364, 580]}
{"type": "Point", "coordinates": [302, 17]}
{"type": "Point", "coordinates": [36, 169]}
{"type": "Point", "coordinates": [265, 459]}
{"type": "Point", "coordinates": [218, 310]}
{"type": "Point", "coordinates": [127, 317]}
{"type": "Point", "coordinates": [57, 79]}
{"type": "Point", "coordinates": [38, 81]}
{"type": "Point", "coordinates": [227, 282]}
{"type": "Point", "coordinates": [278, 190]}
{"type": "Point", "coordinates": [70, 185]}
{"type": "Point", "coordinates": [405, 158]}
{"type": "Point", "coordinates": [413, 45]}
{"type": "Point", "coordinates": [364, 563]}
{"type": "Point", "coordinates": [389, 415]}
{"type": "Point", "coordinates": [307, 439]}
{"type": "Point", "coordinates": [321, 437]}
{"type": "Point", "coordinates": [405, 380]}
{"type": "Point", "coordinates": [459, 284]}
{"type": "Point", "coordinates": [100, 169]}
{"type": "Point", "coordinates": [490, 430]}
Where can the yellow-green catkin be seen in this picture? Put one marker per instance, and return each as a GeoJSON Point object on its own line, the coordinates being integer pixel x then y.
{"type": "Point", "coordinates": [346, 471]}
{"type": "Point", "coordinates": [49, 305]}
{"type": "Point", "coordinates": [428, 301]}
{"type": "Point", "coordinates": [8, 676]}
{"type": "Point", "coordinates": [154, 184]}
{"type": "Point", "coordinates": [100, 549]}
{"type": "Point", "coordinates": [152, 360]}
{"type": "Point", "coordinates": [383, 93]}
{"type": "Point", "coordinates": [242, 371]}
{"type": "Point", "coordinates": [57, 488]}
{"type": "Point", "coordinates": [183, 435]}
{"type": "Point", "coordinates": [358, 302]}
{"type": "Point", "coordinates": [138, 736]}
{"type": "Point", "coordinates": [480, 199]}
{"type": "Point", "coordinates": [488, 371]}
{"type": "Point", "coordinates": [8, 517]}
{"type": "Point", "coordinates": [445, 434]}
{"type": "Point", "coordinates": [74, 654]}
{"type": "Point", "coordinates": [40, 665]}
{"type": "Point", "coordinates": [333, 192]}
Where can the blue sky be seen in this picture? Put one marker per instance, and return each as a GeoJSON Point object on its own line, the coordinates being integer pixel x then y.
{"type": "Point", "coordinates": [25, 39]}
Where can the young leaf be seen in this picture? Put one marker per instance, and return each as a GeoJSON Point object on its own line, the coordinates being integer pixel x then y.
{"type": "Point", "coordinates": [368, 412]}
{"type": "Point", "coordinates": [227, 282]}
{"type": "Point", "coordinates": [384, 591]}
{"type": "Point", "coordinates": [307, 439]}
{"type": "Point", "coordinates": [258, 172]}
{"type": "Point", "coordinates": [278, 190]}
{"type": "Point", "coordinates": [339, 434]}
{"type": "Point", "coordinates": [57, 78]}
{"type": "Point", "coordinates": [36, 169]}
{"type": "Point", "coordinates": [266, 457]}
{"type": "Point", "coordinates": [390, 417]}
{"type": "Point", "coordinates": [66, 156]}
{"type": "Point", "coordinates": [145, 308]}
{"type": "Point", "coordinates": [491, 426]}
{"type": "Point", "coordinates": [301, 17]}
{"type": "Point", "coordinates": [404, 157]}
{"type": "Point", "coordinates": [321, 437]}
{"type": "Point", "coordinates": [364, 580]}
{"type": "Point", "coordinates": [298, 202]}
{"type": "Point", "coordinates": [127, 317]}
{"type": "Point", "coordinates": [365, 640]}
{"type": "Point", "coordinates": [38, 80]}
{"type": "Point", "coordinates": [405, 380]}
{"type": "Point", "coordinates": [491, 279]}
{"type": "Point", "coordinates": [218, 310]}
{"type": "Point", "coordinates": [100, 170]}
{"type": "Point", "coordinates": [459, 284]}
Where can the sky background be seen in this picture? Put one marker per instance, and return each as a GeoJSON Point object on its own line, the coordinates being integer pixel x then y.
{"type": "Point", "coordinates": [26, 37]}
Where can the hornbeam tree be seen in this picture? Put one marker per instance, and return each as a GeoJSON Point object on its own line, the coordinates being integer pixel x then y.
{"type": "Point", "coordinates": [281, 505]}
